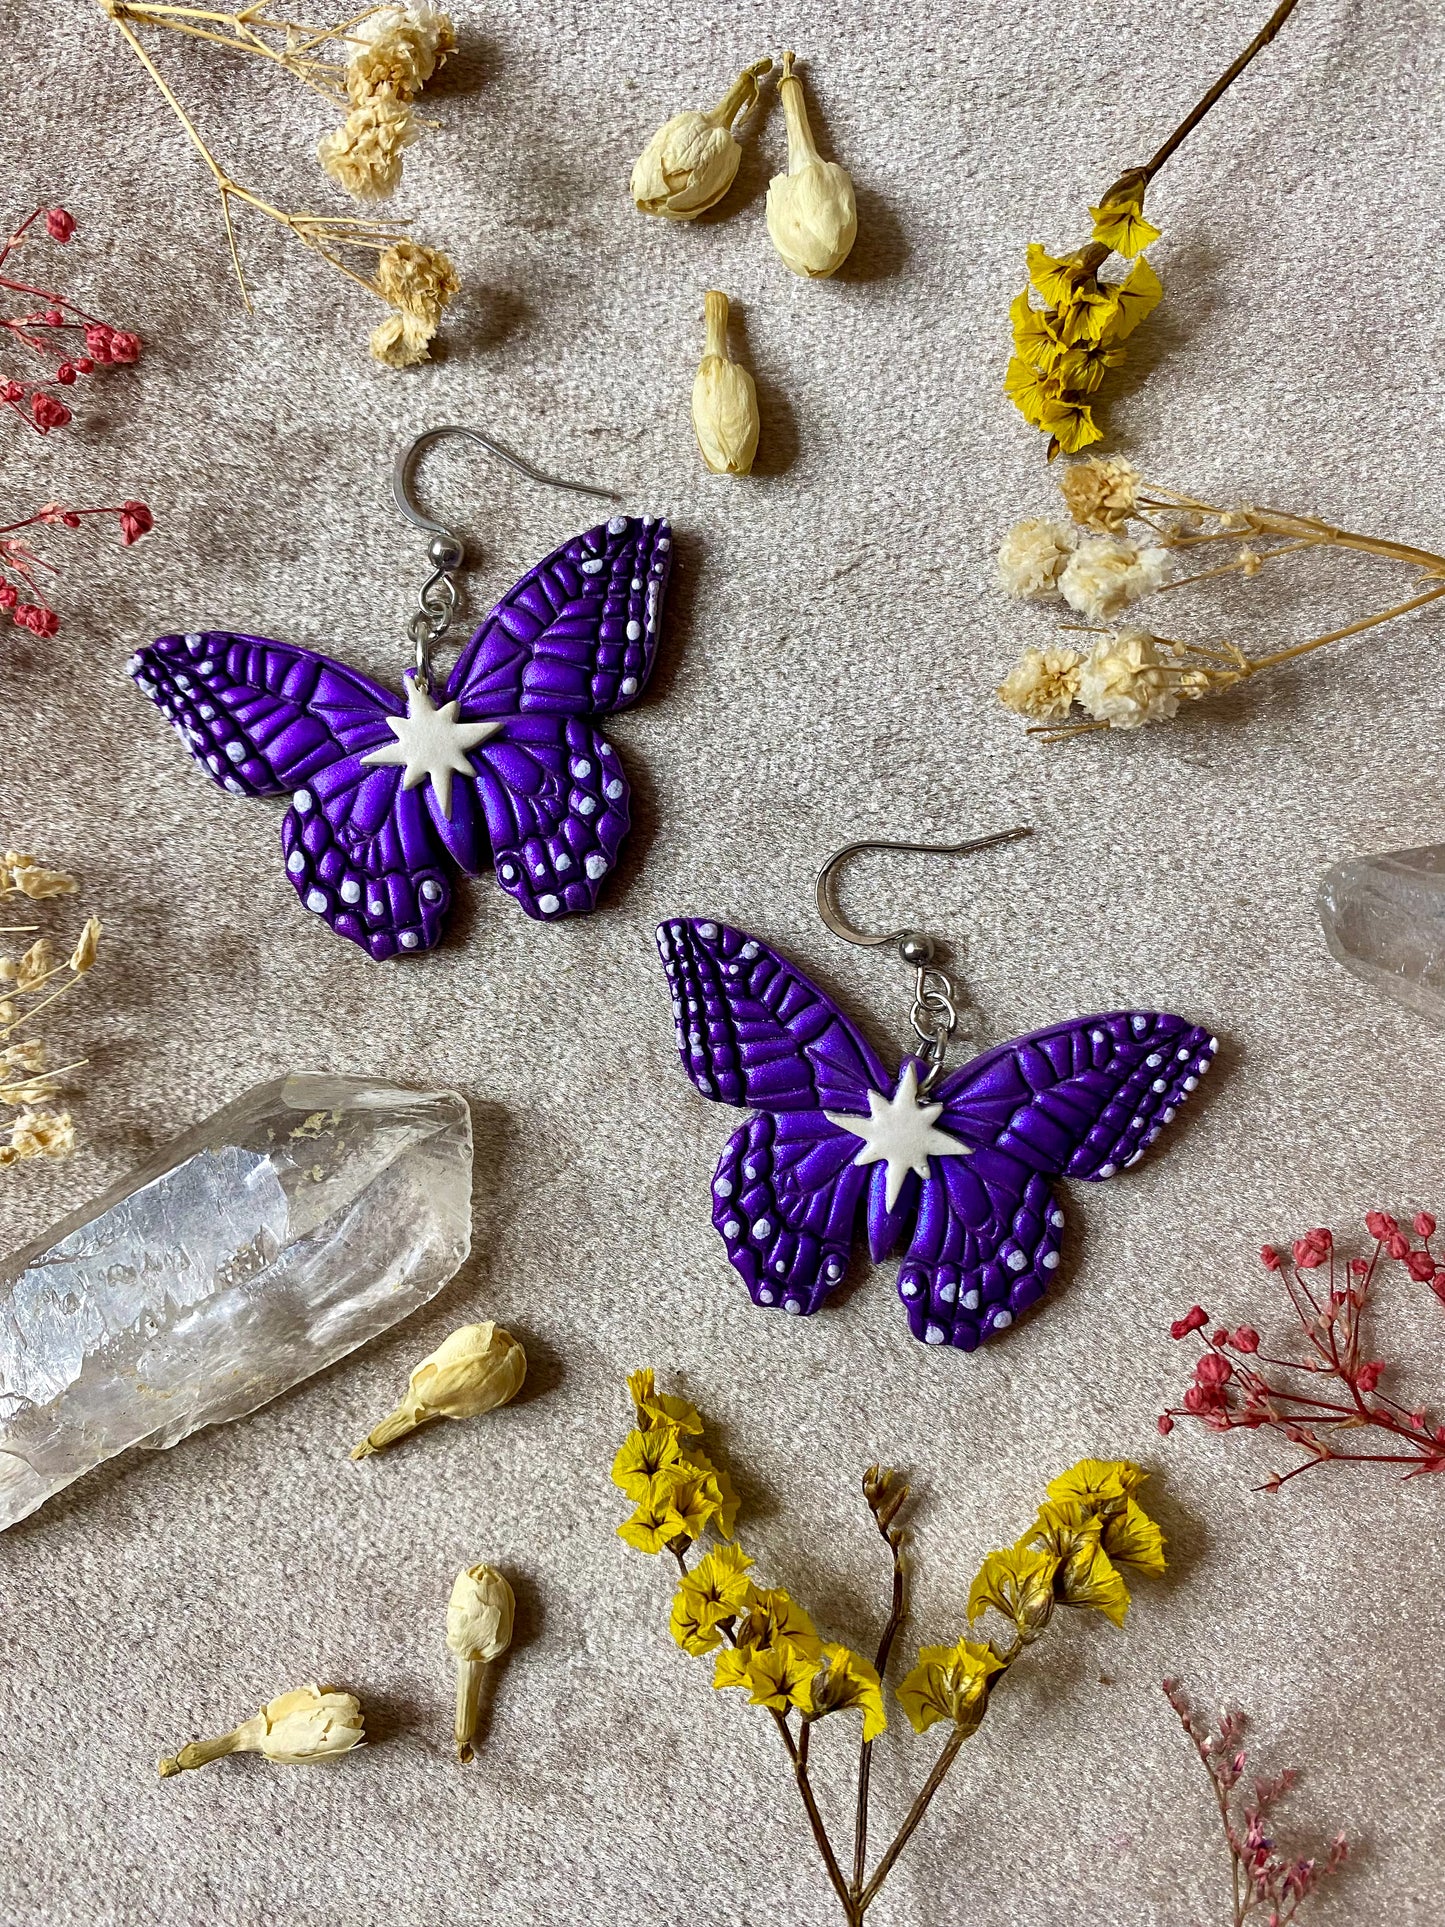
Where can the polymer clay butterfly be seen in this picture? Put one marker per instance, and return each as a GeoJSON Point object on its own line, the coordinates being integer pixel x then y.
{"type": "Point", "coordinates": [388, 794]}
{"type": "Point", "coordinates": [963, 1182]}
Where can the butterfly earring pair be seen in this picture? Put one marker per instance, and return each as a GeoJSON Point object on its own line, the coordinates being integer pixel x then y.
{"type": "Point", "coordinates": [390, 794]}
{"type": "Point", "coordinates": [956, 1170]}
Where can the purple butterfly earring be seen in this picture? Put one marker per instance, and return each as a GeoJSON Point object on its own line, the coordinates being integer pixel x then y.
{"type": "Point", "coordinates": [956, 1170]}
{"type": "Point", "coordinates": [389, 793]}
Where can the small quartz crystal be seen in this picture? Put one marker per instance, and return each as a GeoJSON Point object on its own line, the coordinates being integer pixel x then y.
{"type": "Point", "coordinates": [1384, 920]}
{"type": "Point", "coordinates": [267, 1243]}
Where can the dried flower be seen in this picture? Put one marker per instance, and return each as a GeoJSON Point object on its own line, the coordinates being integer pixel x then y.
{"type": "Point", "coordinates": [46, 328]}
{"type": "Point", "coordinates": [390, 53]}
{"type": "Point", "coordinates": [417, 280]}
{"type": "Point", "coordinates": [1063, 349]}
{"type": "Point", "coordinates": [21, 567]}
{"type": "Point", "coordinates": [363, 155]}
{"type": "Point", "coordinates": [21, 872]}
{"type": "Point", "coordinates": [1044, 685]}
{"type": "Point", "coordinates": [474, 1371]}
{"type": "Point", "coordinates": [37, 1132]}
{"type": "Point", "coordinates": [480, 1613]}
{"type": "Point", "coordinates": [724, 400]}
{"type": "Point", "coordinates": [1127, 683]}
{"type": "Point", "coordinates": [396, 50]}
{"type": "Point", "coordinates": [811, 211]}
{"type": "Point", "coordinates": [312, 1723]}
{"type": "Point", "coordinates": [1262, 1877]}
{"type": "Point", "coordinates": [765, 1645]}
{"type": "Point", "coordinates": [401, 341]}
{"type": "Point", "coordinates": [1032, 556]}
{"type": "Point", "coordinates": [1236, 1385]}
{"type": "Point", "coordinates": [1106, 573]}
{"type": "Point", "coordinates": [692, 159]}
{"type": "Point", "coordinates": [1100, 494]}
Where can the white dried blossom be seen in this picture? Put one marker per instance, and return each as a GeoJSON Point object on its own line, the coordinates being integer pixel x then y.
{"type": "Point", "coordinates": [1032, 556]}
{"type": "Point", "coordinates": [1100, 494]}
{"type": "Point", "coordinates": [312, 1723]}
{"type": "Point", "coordinates": [480, 1614]}
{"type": "Point", "coordinates": [1107, 573]}
{"type": "Point", "coordinates": [1045, 685]}
{"type": "Point", "coordinates": [1127, 683]}
{"type": "Point", "coordinates": [396, 50]}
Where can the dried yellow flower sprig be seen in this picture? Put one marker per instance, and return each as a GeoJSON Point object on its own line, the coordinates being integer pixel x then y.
{"type": "Point", "coordinates": [724, 398]}
{"type": "Point", "coordinates": [480, 1615]}
{"type": "Point", "coordinates": [390, 54]}
{"type": "Point", "coordinates": [1089, 1533]}
{"type": "Point", "coordinates": [812, 211]}
{"type": "Point", "coordinates": [692, 160]}
{"type": "Point", "coordinates": [1064, 348]}
{"type": "Point", "coordinates": [28, 1084]}
{"type": "Point", "coordinates": [1100, 569]}
{"type": "Point", "coordinates": [474, 1371]}
{"type": "Point", "coordinates": [313, 1723]}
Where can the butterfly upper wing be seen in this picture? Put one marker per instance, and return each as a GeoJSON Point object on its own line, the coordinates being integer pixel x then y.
{"type": "Point", "coordinates": [752, 1029]}
{"type": "Point", "coordinates": [1082, 1100]}
{"type": "Point", "coordinates": [263, 718]}
{"type": "Point", "coordinates": [577, 636]}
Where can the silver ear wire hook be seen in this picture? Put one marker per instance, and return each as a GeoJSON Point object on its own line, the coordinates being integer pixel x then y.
{"type": "Point", "coordinates": [446, 551]}
{"type": "Point", "coordinates": [935, 1007]}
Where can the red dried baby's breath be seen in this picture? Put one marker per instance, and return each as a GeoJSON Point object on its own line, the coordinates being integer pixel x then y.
{"type": "Point", "coordinates": [1326, 1399]}
{"type": "Point", "coordinates": [46, 326]}
{"type": "Point", "coordinates": [21, 568]}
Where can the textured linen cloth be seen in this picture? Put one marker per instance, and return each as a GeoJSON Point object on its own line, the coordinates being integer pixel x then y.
{"type": "Point", "coordinates": [831, 643]}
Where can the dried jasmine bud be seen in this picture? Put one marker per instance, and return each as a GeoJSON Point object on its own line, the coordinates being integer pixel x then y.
{"type": "Point", "coordinates": [724, 400]}
{"type": "Point", "coordinates": [479, 1630]}
{"type": "Point", "coordinates": [313, 1723]}
{"type": "Point", "coordinates": [692, 159]}
{"type": "Point", "coordinates": [812, 214]}
{"type": "Point", "coordinates": [473, 1371]}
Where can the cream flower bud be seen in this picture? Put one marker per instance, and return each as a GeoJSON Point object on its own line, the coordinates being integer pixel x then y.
{"type": "Point", "coordinates": [479, 1630]}
{"type": "Point", "coordinates": [313, 1723]}
{"type": "Point", "coordinates": [692, 159]}
{"type": "Point", "coordinates": [812, 212]}
{"type": "Point", "coordinates": [475, 1370]}
{"type": "Point", "coordinates": [724, 400]}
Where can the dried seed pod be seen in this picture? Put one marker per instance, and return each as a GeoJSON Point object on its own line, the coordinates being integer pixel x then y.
{"type": "Point", "coordinates": [475, 1370]}
{"type": "Point", "coordinates": [312, 1723]}
{"type": "Point", "coordinates": [812, 213]}
{"type": "Point", "coordinates": [692, 159]}
{"type": "Point", "coordinates": [724, 400]}
{"type": "Point", "coordinates": [479, 1630]}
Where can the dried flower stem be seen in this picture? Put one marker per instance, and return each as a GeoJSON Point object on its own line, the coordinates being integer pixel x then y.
{"type": "Point", "coordinates": [1260, 1876]}
{"type": "Point", "coordinates": [885, 1501]}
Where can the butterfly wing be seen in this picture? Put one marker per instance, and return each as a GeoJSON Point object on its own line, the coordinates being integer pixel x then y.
{"type": "Point", "coordinates": [1081, 1100]}
{"type": "Point", "coordinates": [265, 718]}
{"type": "Point", "coordinates": [577, 636]}
{"type": "Point", "coordinates": [752, 1029]}
{"type": "Point", "coordinates": [555, 802]}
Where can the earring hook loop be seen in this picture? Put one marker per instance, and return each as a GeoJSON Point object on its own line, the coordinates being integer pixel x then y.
{"type": "Point", "coordinates": [827, 884]}
{"type": "Point", "coordinates": [446, 551]}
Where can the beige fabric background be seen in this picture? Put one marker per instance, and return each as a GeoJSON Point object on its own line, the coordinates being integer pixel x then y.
{"type": "Point", "coordinates": [831, 643]}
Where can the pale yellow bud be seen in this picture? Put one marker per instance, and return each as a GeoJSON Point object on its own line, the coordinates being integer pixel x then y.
{"type": "Point", "coordinates": [475, 1370]}
{"type": "Point", "coordinates": [83, 955]}
{"type": "Point", "coordinates": [692, 159]}
{"type": "Point", "coordinates": [724, 400]}
{"type": "Point", "coordinates": [479, 1630]}
{"type": "Point", "coordinates": [812, 212]}
{"type": "Point", "coordinates": [313, 1723]}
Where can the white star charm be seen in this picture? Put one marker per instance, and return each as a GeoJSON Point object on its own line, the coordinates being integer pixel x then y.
{"type": "Point", "coordinates": [431, 744]}
{"type": "Point", "coordinates": [899, 1132]}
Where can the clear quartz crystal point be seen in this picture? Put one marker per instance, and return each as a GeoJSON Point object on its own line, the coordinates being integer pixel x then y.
{"type": "Point", "coordinates": [291, 1227]}
{"type": "Point", "coordinates": [1384, 920]}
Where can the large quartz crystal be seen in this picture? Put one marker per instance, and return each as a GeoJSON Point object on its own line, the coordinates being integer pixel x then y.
{"type": "Point", "coordinates": [268, 1242]}
{"type": "Point", "coordinates": [1384, 919]}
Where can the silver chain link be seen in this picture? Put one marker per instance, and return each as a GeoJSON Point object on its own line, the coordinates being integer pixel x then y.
{"type": "Point", "coordinates": [934, 1017]}
{"type": "Point", "coordinates": [436, 606]}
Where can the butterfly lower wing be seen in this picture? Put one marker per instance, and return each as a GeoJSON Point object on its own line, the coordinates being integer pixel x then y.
{"type": "Point", "coordinates": [577, 635]}
{"type": "Point", "coordinates": [1082, 1100]}
{"type": "Point", "coordinates": [263, 718]}
{"type": "Point", "coordinates": [555, 802]}
{"type": "Point", "coordinates": [786, 1197]}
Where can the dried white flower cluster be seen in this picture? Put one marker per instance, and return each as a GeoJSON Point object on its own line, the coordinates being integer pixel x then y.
{"type": "Point", "coordinates": [417, 282]}
{"type": "Point", "coordinates": [1098, 574]}
{"type": "Point", "coordinates": [28, 1084]}
{"type": "Point", "coordinates": [392, 54]}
